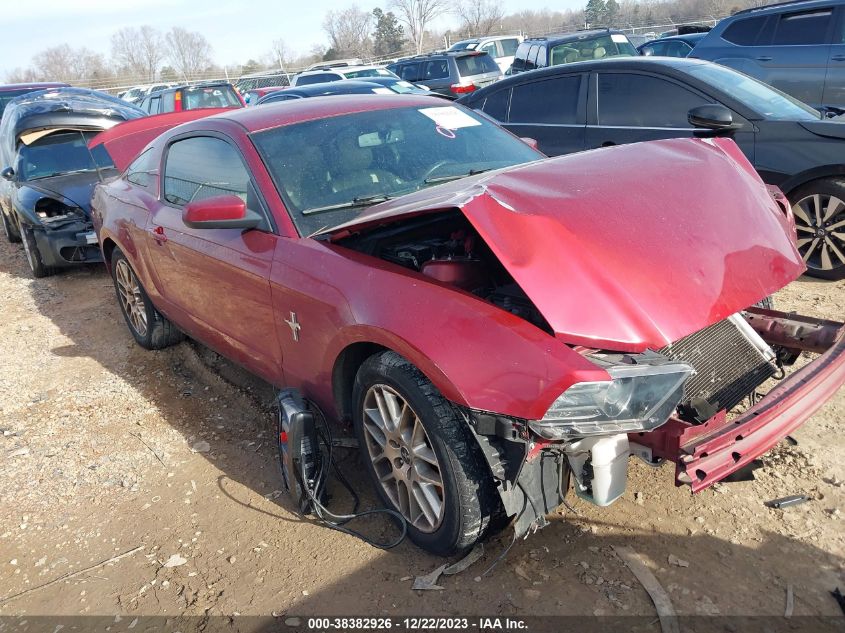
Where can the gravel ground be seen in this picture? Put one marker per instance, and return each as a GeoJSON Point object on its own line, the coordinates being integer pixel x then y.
{"type": "Point", "coordinates": [109, 449]}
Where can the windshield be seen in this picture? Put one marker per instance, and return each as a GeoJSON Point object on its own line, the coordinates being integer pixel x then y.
{"type": "Point", "coordinates": [613, 45]}
{"type": "Point", "coordinates": [327, 170]}
{"type": "Point", "coordinates": [764, 100]}
{"type": "Point", "coordinates": [59, 153]}
{"type": "Point", "coordinates": [463, 46]}
{"type": "Point", "coordinates": [368, 72]}
{"type": "Point", "coordinates": [210, 97]}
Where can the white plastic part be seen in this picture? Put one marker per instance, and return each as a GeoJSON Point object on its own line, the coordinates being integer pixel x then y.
{"type": "Point", "coordinates": [608, 459]}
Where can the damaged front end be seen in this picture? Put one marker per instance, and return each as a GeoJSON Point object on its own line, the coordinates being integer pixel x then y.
{"type": "Point", "coordinates": [697, 403]}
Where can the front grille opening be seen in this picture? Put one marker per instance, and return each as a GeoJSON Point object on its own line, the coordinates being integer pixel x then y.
{"type": "Point", "coordinates": [729, 368]}
{"type": "Point", "coordinates": [79, 253]}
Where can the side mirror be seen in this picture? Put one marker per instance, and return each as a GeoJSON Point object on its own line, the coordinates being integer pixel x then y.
{"type": "Point", "coordinates": [647, 51]}
{"type": "Point", "coordinates": [531, 142]}
{"type": "Point", "coordinates": [712, 117]}
{"type": "Point", "coordinates": [220, 212]}
{"type": "Point", "coordinates": [8, 174]}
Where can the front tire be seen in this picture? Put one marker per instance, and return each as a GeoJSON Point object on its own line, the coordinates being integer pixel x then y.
{"type": "Point", "coordinates": [819, 209]}
{"type": "Point", "coordinates": [33, 255]}
{"type": "Point", "coordinates": [149, 328]}
{"type": "Point", "coordinates": [421, 456]}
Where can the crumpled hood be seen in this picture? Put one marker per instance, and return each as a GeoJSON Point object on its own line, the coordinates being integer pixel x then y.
{"type": "Point", "coordinates": [76, 188]}
{"type": "Point", "coordinates": [629, 247]}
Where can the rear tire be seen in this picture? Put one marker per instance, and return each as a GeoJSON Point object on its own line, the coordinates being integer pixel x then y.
{"type": "Point", "coordinates": [819, 209]}
{"type": "Point", "coordinates": [149, 328]}
{"type": "Point", "coordinates": [421, 457]}
{"type": "Point", "coordinates": [9, 230]}
{"type": "Point", "coordinates": [33, 255]}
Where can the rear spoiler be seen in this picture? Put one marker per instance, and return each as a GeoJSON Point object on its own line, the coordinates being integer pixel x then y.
{"type": "Point", "coordinates": [125, 141]}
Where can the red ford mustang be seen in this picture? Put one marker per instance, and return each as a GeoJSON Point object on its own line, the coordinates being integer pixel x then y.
{"type": "Point", "coordinates": [493, 323]}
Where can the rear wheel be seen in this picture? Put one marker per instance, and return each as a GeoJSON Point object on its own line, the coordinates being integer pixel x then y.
{"type": "Point", "coordinates": [819, 209]}
{"type": "Point", "coordinates": [9, 230]}
{"type": "Point", "coordinates": [148, 326]}
{"type": "Point", "coordinates": [33, 255]}
{"type": "Point", "coordinates": [420, 455]}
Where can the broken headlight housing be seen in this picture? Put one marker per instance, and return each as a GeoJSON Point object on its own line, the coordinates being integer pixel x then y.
{"type": "Point", "coordinates": [639, 397]}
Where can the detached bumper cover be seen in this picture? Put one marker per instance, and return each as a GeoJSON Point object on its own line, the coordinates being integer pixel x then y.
{"type": "Point", "coordinates": [707, 453]}
{"type": "Point", "coordinates": [67, 245]}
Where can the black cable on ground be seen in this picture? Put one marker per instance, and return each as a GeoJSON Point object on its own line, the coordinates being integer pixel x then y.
{"type": "Point", "coordinates": [338, 521]}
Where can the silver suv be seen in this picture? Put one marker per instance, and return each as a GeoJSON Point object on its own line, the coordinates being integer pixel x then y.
{"type": "Point", "coordinates": [797, 47]}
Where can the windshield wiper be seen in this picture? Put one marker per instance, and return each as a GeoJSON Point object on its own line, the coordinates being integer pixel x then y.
{"type": "Point", "coordinates": [471, 172]}
{"type": "Point", "coordinates": [62, 173]}
{"type": "Point", "coordinates": [351, 204]}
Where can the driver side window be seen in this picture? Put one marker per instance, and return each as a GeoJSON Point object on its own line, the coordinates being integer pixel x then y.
{"type": "Point", "coordinates": [203, 167]}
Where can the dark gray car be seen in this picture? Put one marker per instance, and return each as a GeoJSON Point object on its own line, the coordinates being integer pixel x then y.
{"type": "Point", "coordinates": [797, 47]}
{"type": "Point", "coordinates": [451, 74]}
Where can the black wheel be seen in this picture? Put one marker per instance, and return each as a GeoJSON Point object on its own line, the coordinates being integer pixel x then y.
{"type": "Point", "coordinates": [148, 326]}
{"type": "Point", "coordinates": [33, 255]}
{"type": "Point", "coordinates": [819, 209]}
{"type": "Point", "coordinates": [9, 230]}
{"type": "Point", "coordinates": [419, 452]}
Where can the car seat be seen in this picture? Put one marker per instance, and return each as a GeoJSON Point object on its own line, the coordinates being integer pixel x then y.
{"type": "Point", "coordinates": [599, 52]}
{"type": "Point", "coordinates": [353, 171]}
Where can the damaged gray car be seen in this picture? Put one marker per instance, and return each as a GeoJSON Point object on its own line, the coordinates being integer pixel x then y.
{"type": "Point", "coordinates": [48, 172]}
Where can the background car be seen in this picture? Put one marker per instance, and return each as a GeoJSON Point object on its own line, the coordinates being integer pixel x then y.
{"type": "Point", "coordinates": [648, 98]}
{"type": "Point", "coordinates": [265, 79]}
{"type": "Point", "coordinates": [48, 172]}
{"type": "Point", "coordinates": [335, 223]}
{"type": "Point", "coordinates": [540, 52]}
{"type": "Point", "coordinates": [675, 46]}
{"type": "Point", "coordinates": [339, 73]}
{"type": "Point", "coordinates": [137, 94]}
{"type": "Point", "coordinates": [501, 48]}
{"type": "Point", "coordinates": [350, 87]}
{"type": "Point", "coordinates": [638, 40]}
{"type": "Point", "coordinates": [797, 47]}
{"type": "Point", "coordinates": [11, 91]}
{"type": "Point", "coordinates": [450, 74]}
{"type": "Point", "coordinates": [251, 97]}
{"type": "Point", "coordinates": [215, 94]}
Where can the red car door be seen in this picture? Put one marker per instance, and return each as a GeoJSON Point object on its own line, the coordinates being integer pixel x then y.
{"type": "Point", "coordinates": [214, 282]}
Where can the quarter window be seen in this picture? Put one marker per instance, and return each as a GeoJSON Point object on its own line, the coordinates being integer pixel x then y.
{"type": "Point", "coordinates": [809, 27]}
{"type": "Point", "coordinates": [509, 47]}
{"type": "Point", "coordinates": [632, 100]}
{"type": "Point", "coordinates": [549, 101]}
{"type": "Point", "coordinates": [744, 32]}
{"type": "Point", "coordinates": [203, 167]}
{"type": "Point", "coordinates": [140, 171]}
{"type": "Point", "coordinates": [496, 105]}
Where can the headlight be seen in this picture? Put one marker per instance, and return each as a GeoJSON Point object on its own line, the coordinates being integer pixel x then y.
{"type": "Point", "coordinates": [637, 398]}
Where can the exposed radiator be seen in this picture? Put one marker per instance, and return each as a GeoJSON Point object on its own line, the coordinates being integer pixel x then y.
{"type": "Point", "coordinates": [730, 363]}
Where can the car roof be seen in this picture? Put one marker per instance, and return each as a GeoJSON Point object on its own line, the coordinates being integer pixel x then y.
{"type": "Point", "coordinates": [573, 36]}
{"type": "Point", "coordinates": [297, 110]}
{"type": "Point", "coordinates": [340, 69]}
{"type": "Point", "coordinates": [40, 85]}
{"type": "Point", "coordinates": [792, 4]}
{"type": "Point", "coordinates": [461, 53]}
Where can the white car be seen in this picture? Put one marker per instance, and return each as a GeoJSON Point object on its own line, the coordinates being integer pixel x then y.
{"type": "Point", "coordinates": [137, 94]}
{"type": "Point", "coordinates": [500, 47]}
{"type": "Point", "coordinates": [337, 73]}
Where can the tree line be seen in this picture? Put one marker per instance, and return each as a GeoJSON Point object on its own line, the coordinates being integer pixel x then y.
{"type": "Point", "coordinates": [402, 27]}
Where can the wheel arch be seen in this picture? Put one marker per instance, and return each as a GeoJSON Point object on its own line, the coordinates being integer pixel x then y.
{"type": "Point", "coordinates": [792, 183]}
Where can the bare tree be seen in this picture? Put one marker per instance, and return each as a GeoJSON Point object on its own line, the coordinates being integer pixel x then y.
{"type": "Point", "coordinates": [63, 63]}
{"type": "Point", "coordinates": [480, 17]}
{"type": "Point", "coordinates": [138, 51]}
{"type": "Point", "coordinates": [189, 52]}
{"type": "Point", "coordinates": [417, 15]}
{"type": "Point", "coordinates": [349, 31]}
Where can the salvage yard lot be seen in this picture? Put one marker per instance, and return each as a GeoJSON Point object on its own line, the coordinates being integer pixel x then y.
{"type": "Point", "coordinates": [106, 447]}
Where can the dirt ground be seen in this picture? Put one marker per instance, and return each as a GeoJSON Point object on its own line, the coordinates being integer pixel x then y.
{"type": "Point", "coordinates": [107, 448]}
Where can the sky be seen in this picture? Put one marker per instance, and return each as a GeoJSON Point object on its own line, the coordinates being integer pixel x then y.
{"type": "Point", "coordinates": [237, 31]}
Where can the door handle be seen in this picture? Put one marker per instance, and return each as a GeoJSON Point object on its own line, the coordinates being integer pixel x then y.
{"type": "Point", "coordinates": [158, 234]}
{"type": "Point", "coordinates": [764, 58]}
{"type": "Point", "coordinates": [838, 58]}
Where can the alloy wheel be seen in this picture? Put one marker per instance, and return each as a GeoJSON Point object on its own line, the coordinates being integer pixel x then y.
{"type": "Point", "coordinates": [403, 457]}
{"type": "Point", "coordinates": [820, 222]}
{"type": "Point", "coordinates": [131, 298]}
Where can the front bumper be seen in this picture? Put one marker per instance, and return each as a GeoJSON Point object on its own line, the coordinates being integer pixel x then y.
{"type": "Point", "coordinates": [68, 245]}
{"type": "Point", "coordinates": [707, 453]}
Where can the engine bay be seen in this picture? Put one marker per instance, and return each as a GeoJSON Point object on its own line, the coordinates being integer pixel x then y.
{"type": "Point", "coordinates": [447, 249]}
